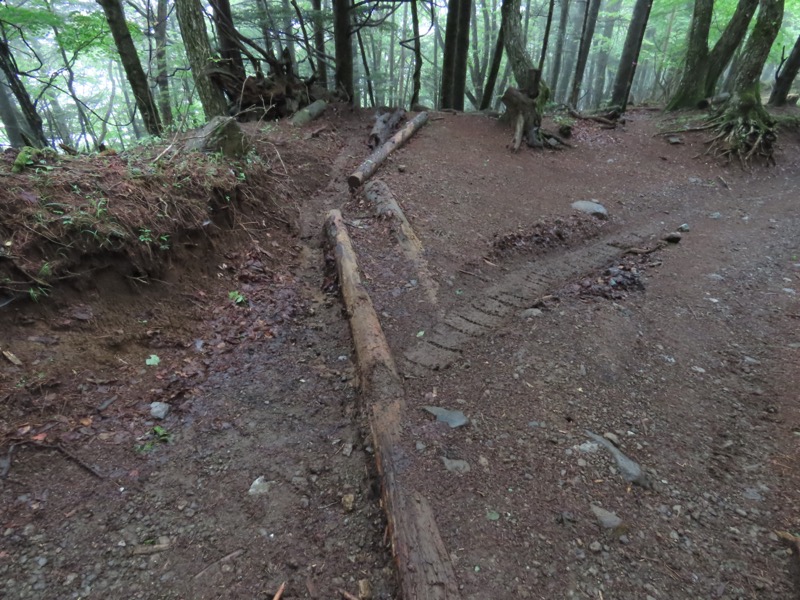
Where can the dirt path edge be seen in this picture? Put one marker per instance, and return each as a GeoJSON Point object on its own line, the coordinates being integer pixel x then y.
{"type": "Point", "coordinates": [423, 563]}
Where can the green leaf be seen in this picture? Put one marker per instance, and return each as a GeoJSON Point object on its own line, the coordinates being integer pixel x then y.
{"type": "Point", "coordinates": [492, 515]}
{"type": "Point", "coordinates": [153, 361]}
{"type": "Point", "coordinates": [420, 333]}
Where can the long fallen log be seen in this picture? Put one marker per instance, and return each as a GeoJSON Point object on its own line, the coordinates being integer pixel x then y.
{"type": "Point", "coordinates": [423, 564]}
{"type": "Point", "coordinates": [385, 123]}
{"type": "Point", "coordinates": [386, 205]}
{"type": "Point", "coordinates": [369, 166]}
{"type": "Point", "coordinates": [309, 113]}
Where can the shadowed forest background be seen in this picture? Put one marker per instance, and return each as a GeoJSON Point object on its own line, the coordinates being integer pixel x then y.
{"type": "Point", "coordinates": [80, 74]}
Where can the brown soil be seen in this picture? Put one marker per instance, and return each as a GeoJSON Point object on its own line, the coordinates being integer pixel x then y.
{"type": "Point", "coordinates": [686, 355]}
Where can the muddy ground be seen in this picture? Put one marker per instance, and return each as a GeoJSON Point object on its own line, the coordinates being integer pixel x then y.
{"type": "Point", "coordinates": [529, 318]}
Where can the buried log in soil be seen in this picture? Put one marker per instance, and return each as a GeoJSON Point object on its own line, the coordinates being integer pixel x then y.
{"type": "Point", "coordinates": [423, 564]}
{"type": "Point", "coordinates": [309, 113]}
{"type": "Point", "coordinates": [369, 166]}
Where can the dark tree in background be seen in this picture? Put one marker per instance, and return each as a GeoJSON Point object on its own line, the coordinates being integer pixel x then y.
{"type": "Point", "coordinates": [343, 42]}
{"type": "Point", "coordinates": [29, 112]}
{"type": "Point", "coordinates": [630, 54]}
{"type": "Point", "coordinates": [137, 79]}
{"type": "Point", "coordinates": [786, 75]}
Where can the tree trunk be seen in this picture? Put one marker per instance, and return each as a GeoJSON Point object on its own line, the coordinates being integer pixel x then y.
{"type": "Point", "coordinates": [449, 56]}
{"type": "Point", "coordinates": [319, 43]}
{"type": "Point", "coordinates": [731, 38]}
{"type": "Point", "coordinates": [521, 64]}
{"type": "Point", "coordinates": [130, 106]}
{"type": "Point", "coordinates": [198, 50]}
{"type": "Point", "coordinates": [367, 75]}
{"type": "Point", "coordinates": [226, 37]}
{"type": "Point", "coordinates": [491, 80]}
{"type": "Point", "coordinates": [604, 54]}
{"type": "Point", "coordinates": [462, 54]}
{"type": "Point", "coordinates": [436, 75]}
{"type": "Point", "coordinates": [630, 53]}
{"type": "Point", "coordinates": [745, 128]}
{"type": "Point", "coordinates": [162, 78]}
{"type": "Point", "coordinates": [692, 87]}
{"type": "Point", "coordinates": [786, 76]}
{"type": "Point", "coordinates": [10, 117]}
{"type": "Point", "coordinates": [343, 43]}
{"type": "Point", "coordinates": [400, 94]}
{"type": "Point", "coordinates": [570, 56]}
{"type": "Point", "coordinates": [562, 34]}
{"type": "Point", "coordinates": [417, 55]}
{"type": "Point", "coordinates": [589, 23]}
{"type": "Point", "coordinates": [133, 67]}
{"type": "Point", "coordinates": [34, 120]}
{"type": "Point", "coordinates": [546, 39]}
{"type": "Point", "coordinates": [288, 44]}
{"type": "Point", "coordinates": [265, 23]}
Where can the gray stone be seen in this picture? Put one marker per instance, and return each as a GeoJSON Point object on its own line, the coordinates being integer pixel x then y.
{"type": "Point", "coordinates": [684, 227]}
{"type": "Point", "coordinates": [612, 437]}
{"type": "Point", "coordinates": [456, 465]}
{"type": "Point", "coordinates": [591, 207]}
{"type": "Point", "coordinates": [259, 487]}
{"type": "Point", "coordinates": [531, 312]}
{"type": "Point", "coordinates": [606, 518]}
{"type": "Point", "coordinates": [220, 134]}
{"type": "Point", "coordinates": [673, 238]}
{"type": "Point", "coordinates": [595, 546]}
{"type": "Point", "coordinates": [454, 418]}
{"type": "Point", "coordinates": [159, 410]}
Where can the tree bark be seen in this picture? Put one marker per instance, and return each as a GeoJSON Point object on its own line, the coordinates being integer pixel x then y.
{"type": "Point", "coordinates": [546, 39]}
{"type": "Point", "coordinates": [785, 77]}
{"type": "Point", "coordinates": [416, 78]}
{"type": "Point", "coordinates": [589, 23]}
{"type": "Point", "coordinates": [692, 87]}
{"type": "Point", "coordinates": [10, 117]}
{"type": "Point", "coordinates": [521, 64]}
{"type": "Point", "coordinates": [343, 43]}
{"type": "Point", "coordinates": [288, 44]}
{"type": "Point", "coordinates": [562, 34]}
{"type": "Point", "coordinates": [630, 54]}
{"type": "Point", "coordinates": [604, 54]}
{"type": "Point", "coordinates": [162, 78]}
{"type": "Point", "coordinates": [226, 37]}
{"type": "Point", "coordinates": [137, 79]}
{"type": "Point", "coordinates": [198, 50]}
{"type": "Point", "coordinates": [491, 80]}
{"type": "Point", "coordinates": [570, 57]}
{"type": "Point", "coordinates": [462, 54]}
{"type": "Point", "coordinates": [449, 55]}
{"type": "Point", "coordinates": [319, 43]}
{"type": "Point", "coordinates": [367, 75]}
{"type": "Point", "coordinates": [747, 92]}
{"type": "Point", "coordinates": [731, 38]}
{"type": "Point", "coordinates": [34, 120]}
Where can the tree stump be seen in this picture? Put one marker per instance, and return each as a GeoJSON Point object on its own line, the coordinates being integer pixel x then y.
{"type": "Point", "coordinates": [522, 110]}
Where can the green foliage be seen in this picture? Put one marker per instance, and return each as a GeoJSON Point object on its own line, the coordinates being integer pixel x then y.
{"type": "Point", "coordinates": [157, 435]}
{"type": "Point", "coordinates": [31, 21]}
{"type": "Point", "coordinates": [237, 297]}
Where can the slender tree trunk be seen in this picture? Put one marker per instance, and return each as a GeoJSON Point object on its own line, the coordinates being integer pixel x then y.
{"type": "Point", "coordinates": [343, 43]}
{"type": "Point", "coordinates": [546, 39]}
{"type": "Point", "coordinates": [731, 39]}
{"type": "Point", "coordinates": [62, 125]}
{"type": "Point", "coordinates": [392, 46]}
{"type": "Point", "coordinates": [198, 50]}
{"type": "Point", "coordinates": [226, 37]}
{"type": "Point", "coordinates": [562, 34]}
{"type": "Point", "coordinates": [265, 22]}
{"type": "Point", "coordinates": [630, 53]}
{"type": "Point", "coordinates": [9, 116]}
{"type": "Point", "coordinates": [137, 79]}
{"type": "Point", "coordinates": [367, 76]}
{"type": "Point", "coordinates": [83, 118]}
{"type": "Point", "coordinates": [417, 77]}
{"type": "Point", "coordinates": [475, 64]}
{"type": "Point", "coordinates": [521, 64]}
{"type": "Point", "coordinates": [570, 57]}
{"type": "Point", "coordinates": [604, 53]}
{"type": "Point", "coordinates": [288, 31]}
{"type": "Point", "coordinates": [437, 76]}
{"type": "Point", "coordinates": [449, 56]}
{"type": "Point", "coordinates": [319, 43]}
{"type": "Point", "coordinates": [786, 76]}
{"type": "Point", "coordinates": [589, 23]}
{"type": "Point", "coordinates": [129, 105]}
{"type": "Point", "coordinates": [162, 73]}
{"type": "Point", "coordinates": [462, 54]}
{"type": "Point", "coordinates": [34, 120]}
{"type": "Point", "coordinates": [692, 87]}
{"type": "Point", "coordinates": [402, 80]}
{"type": "Point", "coordinates": [497, 58]}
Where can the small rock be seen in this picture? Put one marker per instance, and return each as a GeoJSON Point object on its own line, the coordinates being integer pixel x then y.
{"type": "Point", "coordinates": [456, 465]}
{"type": "Point", "coordinates": [259, 487]}
{"type": "Point", "coordinates": [420, 446]}
{"type": "Point", "coordinates": [741, 512]}
{"type": "Point", "coordinates": [347, 448]}
{"type": "Point", "coordinates": [684, 228]}
{"type": "Point", "coordinates": [595, 546]}
{"type": "Point", "coordinates": [606, 518]}
{"type": "Point", "coordinates": [672, 238]}
{"type": "Point", "coordinates": [591, 207]}
{"type": "Point", "coordinates": [697, 369]}
{"type": "Point", "coordinates": [454, 418]}
{"type": "Point", "coordinates": [159, 410]}
{"type": "Point", "coordinates": [530, 313]}
{"type": "Point", "coordinates": [589, 447]}
{"type": "Point", "coordinates": [582, 463]}
{"type": "Point", "coordinates": [673, 140]}
{"type": "Point", "coordinates": [695, 180]}
{"type": "Point", "coordinates": [364, 589]}
{"type": "Point", "coordinates": [612, 437]}
{"type": "Point", "coordinates": [483, 461]}
{"type": "Point", "coordinates": [349, 502]}
{"type": "Point", "coordinates": [715, 215]}
{"type": "Point", "coordinates": [401, 168]}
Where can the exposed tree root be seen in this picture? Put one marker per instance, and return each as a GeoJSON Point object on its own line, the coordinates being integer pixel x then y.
{"type": "Point", "coordinates": [742, 137]}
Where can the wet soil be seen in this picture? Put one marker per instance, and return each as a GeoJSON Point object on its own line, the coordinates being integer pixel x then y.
{"type": "Point", "coordinates": [543, 328]}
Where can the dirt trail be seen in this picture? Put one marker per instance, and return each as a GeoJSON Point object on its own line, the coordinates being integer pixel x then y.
{"type": "Point", "coordinates": [695, 376]}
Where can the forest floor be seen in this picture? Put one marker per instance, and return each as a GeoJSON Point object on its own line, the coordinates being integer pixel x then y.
{"type": "Point", "coordinates": [262, 472]}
